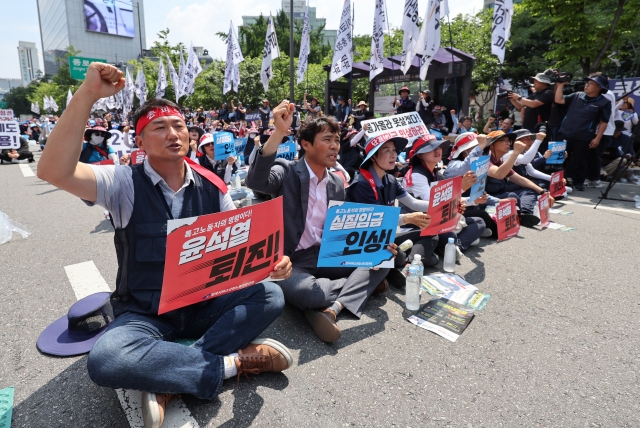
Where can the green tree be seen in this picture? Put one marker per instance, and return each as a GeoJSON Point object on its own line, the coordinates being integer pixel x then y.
{"type": "Point", "coordinates": [17, 99]}
{"type": "Point", "coordinates": [52, 89]}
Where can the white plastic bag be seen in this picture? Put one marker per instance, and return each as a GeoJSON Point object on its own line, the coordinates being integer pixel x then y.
{"type": "Point", "coordinates": [7, 227]}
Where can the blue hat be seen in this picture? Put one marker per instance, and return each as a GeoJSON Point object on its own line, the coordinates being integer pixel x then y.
{"type": "Point", "coordinates": [601, 80]}
{"type": "Point", "coordinates": [374, 144]}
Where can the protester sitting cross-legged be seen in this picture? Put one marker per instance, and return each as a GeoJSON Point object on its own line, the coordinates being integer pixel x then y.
{"type": "Point", "coordinates": [12, 155]}
{"type": "Point", "coordinates": [223, 168]}
{"type": "Point", "coordinates": [501, 173]}
{"type": "Point", "coordinates": [307, 186]}
{"type": "Point", "coordinates": [137, 350]}
{"type": "Point", "coordinates": [530, 163]}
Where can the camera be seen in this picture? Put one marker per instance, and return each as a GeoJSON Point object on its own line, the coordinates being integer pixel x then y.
{"type": "Point", "coordinates": [505, 94]}
{"type": "Point", "coordinates": [558, 76]}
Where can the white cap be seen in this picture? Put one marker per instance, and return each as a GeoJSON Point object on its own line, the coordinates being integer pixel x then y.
{"type": "Point", "coordinates": [417, 257]}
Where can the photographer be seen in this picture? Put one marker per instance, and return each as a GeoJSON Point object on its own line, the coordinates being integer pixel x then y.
{"type": "Point", "coordinates": [538, 104]}
{"type": "Point", "coordinates": [583, 127]}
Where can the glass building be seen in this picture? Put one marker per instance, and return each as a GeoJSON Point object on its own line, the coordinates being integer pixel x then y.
{"type": "Point", "coordinates": [112, 30]}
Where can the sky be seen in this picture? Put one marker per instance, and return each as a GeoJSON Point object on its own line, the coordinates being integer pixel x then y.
{"type": "Point", "coordinates": [198, 21]}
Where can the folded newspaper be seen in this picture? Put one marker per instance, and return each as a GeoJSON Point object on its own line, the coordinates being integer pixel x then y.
{"type": "Point", "coordinates": [455, 289]}
{"type": "Point", "coordinates": [443, 317]}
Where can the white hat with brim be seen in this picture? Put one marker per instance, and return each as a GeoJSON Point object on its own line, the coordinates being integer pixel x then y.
{"type": "Point", "coordinates": [204, 140]}
{"type": "Point", "coordinates": [464, 142]}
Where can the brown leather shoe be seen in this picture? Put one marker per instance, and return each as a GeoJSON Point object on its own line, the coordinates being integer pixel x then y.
{"type": "Point", "coordinates": [153, 408]}
{"type": "Point", "coordinates": [263, 355]}
{"type": "Point", "coordinates": [382, 287]}
{"type": "Point", "coordinates": [323, 324]}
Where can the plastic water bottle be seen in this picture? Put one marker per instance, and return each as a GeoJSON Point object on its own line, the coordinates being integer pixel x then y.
{"type": "Point", "coordinates": [449, 264]}
{"type": "Point", "coordinates": [637, 199]}
{"type": "Point", "coordinates": [417, 261]}
{"type": "Point", "coordinates": [412, 293]}
{"type": "Point", "coordinates": [237, 181]}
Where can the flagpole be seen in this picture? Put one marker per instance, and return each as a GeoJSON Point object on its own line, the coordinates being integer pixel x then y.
{"type": "Point", "coordinates": [393, 66]}
{"type": "Point", "coordinates": [353, 18]}
{"type": "Point", "coordinates": [453, 66]}
{"type": "Point", "coordinates": [291, 94]}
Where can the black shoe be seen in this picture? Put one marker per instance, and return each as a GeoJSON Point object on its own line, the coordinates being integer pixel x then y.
{"type": "Point", "coordinates": [579, 187]}
{"type": "Point", "coordinates": [396, 278]}
{"type": "Point", "coordinates": [528, 220]}
{"type": "Point", "coordinates": [31, 160]}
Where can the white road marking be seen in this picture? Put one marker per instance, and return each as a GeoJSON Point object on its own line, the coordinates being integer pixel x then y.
{"type": "Point", "coordinates": [26, 170]}
{"type": "Point", "coordinates": [603, 207]}
{"type": "Point", "coordinates": [85, 279]}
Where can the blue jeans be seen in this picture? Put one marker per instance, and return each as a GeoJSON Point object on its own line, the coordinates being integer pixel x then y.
{"type": "Point", "coordinates": [137, 351]}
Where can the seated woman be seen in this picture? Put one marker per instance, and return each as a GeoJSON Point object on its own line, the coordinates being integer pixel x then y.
{"type": "Point", "coordinates": [424, 172]}
{"type": "Point", "coordinates": [350, 154]}
{"type": "Point", "coordinates": [222, 168]}
{"type": "Point", "coordinates": [95, 148]}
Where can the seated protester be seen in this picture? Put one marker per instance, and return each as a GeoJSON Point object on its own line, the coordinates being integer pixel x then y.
{"type": "Point", "coordinates": [307, 186]}
{"type": "Point", "coordinates": [13, 155]}
{"type": "Point", "coordinates": [439, 121]}
{"type": "Point", "coordinates": [618, 153]}
{"type": "Point", "coordinates": [375, 185]}
{"type": "Point", "coordinates": [504, 125]}
{"type": "Point", "coordinates": [137, 351]}
{"type": "Point", "coordinates": [464, 126]}
{"type": "Point", "coordinates": [501, 174]}
{"type": "Point", "coordinates": [424, 173]}
{"type": "Point", "coordinates": [222, 168]}
{"type": "Point", "coordinates": [95, 147]}
{"type": "Point", "coordinates": [351, 153]}
{"type": "Point", "coordinates": [530, 163]}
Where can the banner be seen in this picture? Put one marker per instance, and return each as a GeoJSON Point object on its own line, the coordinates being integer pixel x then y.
{"type": "Point", "coordinates": [190, 71]}
{"type": "Point", "coordinates": [35, 108]}
{"type": "Point", "coordinates": [9, 135]}
{"type": "Point", "coordinates": [429, 39]}
{"type": "Point", "coordinates": [216, 254]}
{"type": "Point", "coordinates": [342, 53]}
{"type": "Point", "coordinates": [223, 145]}
{"type": "Point", "coordinates": [271, 52]}
{"type": "Point", "coordinates": [480, 167]}
{"type": "Point", "coordinates": [501, 30]}
{"type": "Point", "coordinates": [127, 94]}
{"type": "Point", "coordinates": [175, 79]}
{"type": "Point", "coordinates": [234, 57]}
{"type": "Point", "coordinates": [287, 151]}
{"type": "Point", "coordinates": [507, 219]}
{"type": "Point", "coordinates": [444, 201]}
{"type": "Point", "coordinates": [376, 62]}
{"type": "Point", "coordinates": [241, 144]}
{"type": "Point", "coordinates": [180, 76]}
{"type": "Point", "coordinates": [357, 235]}
{"type": "Point", "coordinates": [138, 156]}
{"type": "Point", "coordinates": [69, 96]}
{"type": "Point", "coordinates": [556, 184]}
{"type": "Point", "coordinates": [305, 47]}
{"type": "Point", "coordinates": [6, 115]}
{"type": "Point", "coordinates": [141, 86]}
{"type": "Point", "coordinates": [543, 207]}
{"type": "Point", "coordinates": [405, 125]}
{"type": "Point", "coordinates": [558, 148]}
{"type": "Point", "coordinates": [250, 117]}
{"type": "Point", "coordinates": [411, 28]}
{"type": "Point", "coordinates": [161, 84]}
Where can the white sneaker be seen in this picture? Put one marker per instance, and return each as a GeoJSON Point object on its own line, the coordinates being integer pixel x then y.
{"type": "Point", "coordinates": [593, 184]}
{"type": "Point", "coordinates": [487, 233]}
{"type": "Point", "coordinates": [458, 254]}
{"type": "Point", "coordinates": [474, 243]}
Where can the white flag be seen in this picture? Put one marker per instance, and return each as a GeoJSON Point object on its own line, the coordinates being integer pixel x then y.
{"type": "Point", "coordinates": [502, 12]}
{"type": "Point", "coordinates": [141, 86]}
{"type": "Point", "coordinates": [429, 40]}
{"type": "Point", "coordinates": [111, 103]}
{"type": "Point", "coordinates": [118, 99]}
{"type": "Point", "coordinates": [175, 78]}
{"type": "Point", "coordinates": [234, 57]}
{"type": "Point", "coordinates": [45, 103]}
{"type": "Point", "coordinates": [181, 75]}
{"type": "Point", "coordinates": [411, 28]}
{"type": "Point", "coordinates": [305, 46]}
{"type": "Point", "coordinates": [53, 104]}
{"type": "Point", "coordinates": [342, 54]}
{"type": "Point", "coordinates": [271, 52]}
{"type": "Point", "coordinates": [162, 80]}
{"type": "Point", "coordinates": [69, 96]}
{"type": "Point", "coordinates": [127, 96]}
{"type": "Point", "coordinates": [196, 70]}
{"type": "Point", "coordinates": [35, 108]}
{"type": "Point", "coordinates": [377, 39]}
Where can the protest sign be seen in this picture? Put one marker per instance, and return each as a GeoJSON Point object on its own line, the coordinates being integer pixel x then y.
{"type": "Point", "coordinates": [480, 167]}
{"type": "Point", "coordinates": [507, 219]}
{"type": "Point", "coordinates": [543, 208]}
{"type": "Point", "coordinates": [223, 145]}
{"type": "Point", "coordinates": [250, 117]}
{"type": "Point", "coordinates": [558, 148]}
{"type": "Point", "coordinates": [104, 162]}
{"type": "Point", "coordinates": [6, 115]}
{"type": "Point", "coordinates": [241, 144]}
{"type": "Point", "coordinates": [444, 318]}
{"type": "Point", "coordinates": [436, 134]}
{"type": "Point", "coordinates": [404, 125]}
{"type": "Point", "coordinates": [138, 156]}
{"type": "Point", "coordinates": [216, 254]}
{"type": "Point", "coordinates": [443, 206]}
{"type": "Point", "coordinates": [9, 135]}
{"type": "Point", "coordinates": [287, 151]}
{"type": "Point", "coordinates": [556, 184]}
{"type": "Point", "coordinates": [117, 141]}
{"type": "Point", "coordinates": [357, 235]}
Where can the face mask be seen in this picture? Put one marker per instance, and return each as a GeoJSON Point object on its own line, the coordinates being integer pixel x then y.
{"type": "Point", "coordinates": [96, 139]}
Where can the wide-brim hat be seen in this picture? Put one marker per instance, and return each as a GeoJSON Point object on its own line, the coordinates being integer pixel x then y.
{"type": "Point", "coordinates": [374, 144]}
{"type": "Point", "coordinates": [89, 131]}
{"type": "Point", "coordinates": [404, 89]}
{"type": "Point", "coordinates": [204, 140]}
{"type": "Point", "coordinates": [426, 144]}
{"type": "Point", "coordinates": [522, 133]}
{"type": "Point", "coordinates": [543, 78]}
{"type": "Point", "coordinates": [496, 135]}
{"type": "Point", "coordinates": [425, 91]}
{"type": "Point", "coordinates": [601, 80]}
{"type": "Point", "coordinates": [362, 103]}
{"type": "Point", "coordinates": [464, 141]}
{"type": "Point", "coordinates": [77, 332]}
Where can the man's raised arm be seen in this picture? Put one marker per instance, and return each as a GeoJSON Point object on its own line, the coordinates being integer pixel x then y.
{"type": "Point", "coordinates": [59, 164]}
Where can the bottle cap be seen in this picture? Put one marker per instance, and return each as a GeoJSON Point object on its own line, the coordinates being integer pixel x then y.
{"type": "Point", "coordinates": [451, 241]}
{"type": "Point", "coordinates": [417, 257]}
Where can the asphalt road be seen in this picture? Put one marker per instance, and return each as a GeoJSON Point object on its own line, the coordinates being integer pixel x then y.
{"type": "Point", "coordinates": [557, 346]}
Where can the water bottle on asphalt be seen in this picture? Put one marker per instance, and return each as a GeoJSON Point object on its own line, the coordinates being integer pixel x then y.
{"type": "Point", "coordinates": [417, 261]}
{"type": "Point", "coordinates": [637, 199]}
{"type": "Point", "coordinates": [449, 264]}
{"type": "Point", "coordinates": [412, 293]}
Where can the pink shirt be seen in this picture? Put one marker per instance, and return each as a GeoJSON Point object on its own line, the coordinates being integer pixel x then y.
{"type": "Point", "coordinates": [316, 211]}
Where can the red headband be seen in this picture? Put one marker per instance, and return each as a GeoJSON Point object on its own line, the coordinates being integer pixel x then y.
{"type": "Point", "coordinates": [155, 113]}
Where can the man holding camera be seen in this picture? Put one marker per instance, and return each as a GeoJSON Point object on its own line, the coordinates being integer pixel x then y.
{"type": "Point", "coordinates": [584, 125]}
{"type": "Point", "coordinates": [538, 105]}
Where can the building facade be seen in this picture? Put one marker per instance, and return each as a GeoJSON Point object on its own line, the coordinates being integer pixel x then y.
{"type": "Point", "coordinates": [29, 62]}
{"type": "Point", "coordinates": [113, 31]}
{"type": "Point", "coordinates": [299, 8]}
